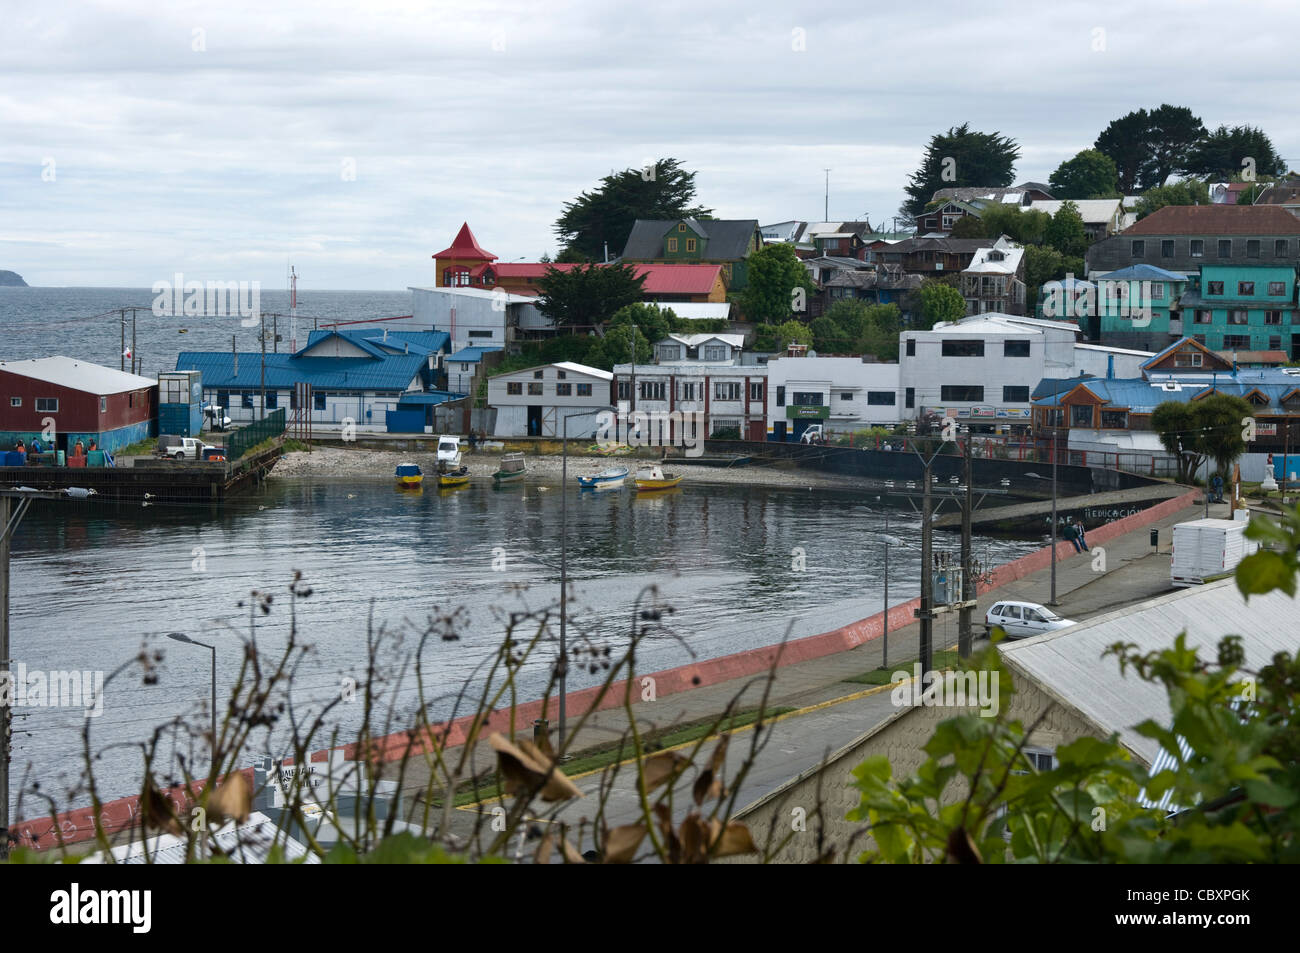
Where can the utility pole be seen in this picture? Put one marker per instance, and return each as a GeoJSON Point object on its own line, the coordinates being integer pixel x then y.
{"type": "Point", "coordinates": [262, 336]}
{"type": "Point", "coordinates": [926, 612]}
{"type": "Point", "coordinates": [884, 662]}
{"type": "Point", "coordinates": [964, 642]}
{"type": "Point", "coordinates": [1052, 601]}
{"type": "Point", "coordinates": [121, 361]}
{"type": "Point", "coordinates": [275, 333]}
{"type": "Point", "coordinates": [134, 359]}
{"type": "Point", "coordinates": [632, 405]}
{"type": "Point", "coordinates": [826, 211]}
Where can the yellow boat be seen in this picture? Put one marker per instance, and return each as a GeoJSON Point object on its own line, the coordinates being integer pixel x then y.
{"type": "Point", "coordinates": [409, 475]}
{"type": "Point", "coordinates": [654, 478]}
{"type": "Point", "coordinates": [454, 478]}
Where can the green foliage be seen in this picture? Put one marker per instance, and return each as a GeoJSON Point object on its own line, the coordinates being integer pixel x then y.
{"type": "Point", "coordinates": [792, 332]}
{"type": "Point", "coordinates": [774, 274]}
{"type": "Point", "coordinates": [1066, 233]}
{"type": "Point", "coordinates": [1148, 147]}
{"type": "Point", "coordinates": [571, 256]}
{"type": "Point", "coordinates": [1211, 427]}
{"type": "Point", "coordinates": [1026, 227]}
{"type": "Point", "coordinates": [588, 295]}
{"type": "Point", "coordinates": [616, 347]}
{"type": "Point", "coordinates": [606, 215]}
{"type": "Point", "coordinates": [1044, 264]}
{"type": "Point", "coordinates": [969, 226]}
{"type": "Point", "coordinates": [1089, 175]}
{"type": "Point", "coordinates": [940, 302]}
{"type": "Point", "coordinates": [655, 323]}
{"type": "Point", "coordinates": [960, 157]}
{"type": "Point", "coordinates": [1276, 566]}
{"type": "Point", "coordinates": [1222, 154]}
{"type": "Point", "coordinates": [1186, 192]}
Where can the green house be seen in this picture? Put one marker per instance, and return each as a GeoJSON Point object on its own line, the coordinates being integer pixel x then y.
{"type": "Point", "coordinates": [690, 241]}
{"type": "Point", "coordinates": [1138, 307]}
{"type": "Point", "coordinates": [1242, 307]}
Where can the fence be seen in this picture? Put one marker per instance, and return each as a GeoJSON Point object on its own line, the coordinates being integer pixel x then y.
{"type": "Point", "coordinates": [240, 441]}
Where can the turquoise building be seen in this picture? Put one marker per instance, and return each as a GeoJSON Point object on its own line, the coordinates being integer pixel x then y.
{"type": "Point", "coordinates": [1242, 307]}
{"type": "Point", "coordinates": [1138, 307]}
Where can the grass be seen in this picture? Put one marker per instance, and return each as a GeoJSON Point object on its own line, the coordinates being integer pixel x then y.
{"type": "Point", "coordinates": [139, 448]}
{"type": "Point", "coordinates": [943, 659]}
{"type": "Point", "coordinates": [296, 446]}
{"type": "Point", "coordinates": [598, 758]}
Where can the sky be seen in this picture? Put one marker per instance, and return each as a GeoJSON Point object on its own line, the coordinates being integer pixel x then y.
{"type": "Point", "coordinates": [223, 141]}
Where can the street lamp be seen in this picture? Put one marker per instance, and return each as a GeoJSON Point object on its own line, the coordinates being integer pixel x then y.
{"type": "Point", "coordinates": [186, 639]}
{"type": "Point", "coordinates": [1053, 601]}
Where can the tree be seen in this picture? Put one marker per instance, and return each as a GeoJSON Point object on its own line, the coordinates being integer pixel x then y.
{"type": "Point", "coordinates": [880, 337]}
{"type": "Point", "coordinates": [606, 215]}
{"type": "Point", "coordinates": [1044, 264]}
{"type": "Point", "coordinates": [829, 337]}
{"type": "Point", "coordinates": [1148, 147]}
{"type": "Point", "coordinates": [1186, 192]}
{"type": "Point", "coordinates": [793, 332]}
{"type": "Point", "coordinates": [1208, 428]}
{"type": "Point", "coordinates": [587, 295]}
{"type": "Point", "coordinates": [960, 157]}
{"type": "Point", "coordinates": [655, 323]}
{"type": "Point", "coordinates": [775, 275]}
{"type": "Point", "coordinates": [1228, 153]}
{"type": "Point", "coordinates": [571, 256]}
{"type": "Point", "coordinates": [969, 226]}
{"type": "Point", "coordinates": [1089, 175]}
{"type": "Point", "coordinates": [940, 302]}
{"type": "Point", "coordinates": [1176, 424]}
{"type": "Point", "coordinates": [1066, 233]}
{"type": "Point", "coordinates": [1025, 226]}
{"type": "Point", "coordinates": [616, 348]}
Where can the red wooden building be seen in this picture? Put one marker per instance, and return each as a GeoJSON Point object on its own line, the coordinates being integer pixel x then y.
{"type": "Point", "coordinates": [75, 400]}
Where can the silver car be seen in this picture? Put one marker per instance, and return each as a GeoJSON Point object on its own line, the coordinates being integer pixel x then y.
{"type": "Point", "coordinates": [1023, 619]}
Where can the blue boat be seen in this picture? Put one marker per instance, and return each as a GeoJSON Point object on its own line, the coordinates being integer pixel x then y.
{"type": "Point", "coordinates": [409, 475]}
{"type": "Point", "coordinates": [604, 480]}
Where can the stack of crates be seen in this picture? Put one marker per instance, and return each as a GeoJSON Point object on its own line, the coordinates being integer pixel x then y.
{"type": "Point", "coordinates": [180, 403]}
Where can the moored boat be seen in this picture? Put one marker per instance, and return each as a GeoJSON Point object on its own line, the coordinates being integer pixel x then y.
{"type": "Point", "coordinates": [409, 475]}
{"type": "Point", "coordinates": [607, 479]}
{"type": "Point", "coordinates": [654, 478]}
{"type": "Point", "coordinates": [511, 470]}
{"type": "Point", "coordinates": [454, 478]}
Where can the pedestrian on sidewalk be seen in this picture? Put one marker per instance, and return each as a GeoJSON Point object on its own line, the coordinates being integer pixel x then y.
{"type": "Point", "coordinates": [1083, 540]}
{"type": "Point", "coordinates": [1072, 535]}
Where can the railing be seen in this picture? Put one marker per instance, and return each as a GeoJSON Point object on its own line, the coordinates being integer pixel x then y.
{"type": "Point", "coordinates": [241, 441]}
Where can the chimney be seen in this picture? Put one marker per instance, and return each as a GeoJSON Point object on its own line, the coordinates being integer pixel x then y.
{"type": "Point", "coordinates": [1110, 367]}
{"type": "Point", "coordinates": [385, 335]}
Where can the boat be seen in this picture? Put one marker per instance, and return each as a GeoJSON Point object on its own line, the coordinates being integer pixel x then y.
{"type": "Point", "coordinates": [453, 478]}
{"type": "Point", "coordinates": [409, 475]}
{"type": "Point", "coordinates": [511, 470]}
{"type": "Point", "coordinates": [654, 478]}
{"type": "Point", "coordinates": [608, 479]}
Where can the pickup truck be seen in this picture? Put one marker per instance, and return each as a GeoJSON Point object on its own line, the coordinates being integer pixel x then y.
{"type": "Point", "coordinates": [182, 448]}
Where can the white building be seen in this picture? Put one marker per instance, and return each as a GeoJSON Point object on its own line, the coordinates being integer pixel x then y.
{"type": "Point", "coordinates": [533, 402]}
{"type": "Point", "coordinates": [985, 368]}
{"type": "Point", "coordinates": [994, 279]}
{"type": "Point", "coordinates": [842, 393]}
{"type": "Point", "coordinates": [476, 317]}
{"type": "Point", "coordinates": [1101, 217]}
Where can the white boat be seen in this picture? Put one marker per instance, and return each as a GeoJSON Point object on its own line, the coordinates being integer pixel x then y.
{"type": "Point", "coordinates": [608, 479]}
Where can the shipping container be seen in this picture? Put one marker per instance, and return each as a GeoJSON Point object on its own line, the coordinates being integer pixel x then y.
{"type": "Point", "coordinates": [183, 419]}
{"type": "Point", "coordinates": [180, 402]}
{"type": "Point", "coordinates": [1207, 549]}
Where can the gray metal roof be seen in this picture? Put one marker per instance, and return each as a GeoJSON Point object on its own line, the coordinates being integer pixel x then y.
{"type": "Point", "coordinates": [1068, 663]}
{"type": "Point", "coordinates": [728, 239]}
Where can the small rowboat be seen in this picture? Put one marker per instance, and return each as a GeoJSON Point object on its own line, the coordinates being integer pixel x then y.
{"type": "Point", "coordinates": [609, 479]}
{"type": "Point", "coordinates": [409, 475]}
{"type": "Point", "coordinates": [454, 478]}
{"type": "Point", "coordinates": [654, 478]}
{"type": "Point", "coordinates": [512, 469]}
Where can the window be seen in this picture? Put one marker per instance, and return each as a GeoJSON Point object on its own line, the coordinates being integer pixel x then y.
{"type": "Point", "coordinates": [911, 347]}
{"type": "Point", "coordinates": [1252, 248]}
{"type": "Point", "coordinates": [515, 387]}
{"type": "Point", "coordinates": [688, 390]}
{"type": "Point", "coordinates": [584, 390]}
{"type": "Point", "coordinates": [1225, 247]}
{"type": "Point", "coordinates": [1114, 419]}
{"type": "Point", "coordinates": [223, 399]}
{"type": "Point", "coordinates": [318, 399]}
{"type": "Point", "coordinates": [537, 375]}
{"type": "Point", "coordinates": [880, 398]}
{"type": "Point", "coordinates": [1236, 342]}
{"type": "Point", "coordinates": [846, 395]}
{"type": "Point", "coordinates": [1015, 395]}
{"type": "Point", "coordinates": [1187, 359]}
{"type": "Point", "coordinates": [780, 396]}
{"type": "Point", "coordinates": [670, 352]}
{"type": "Point", "coordinates": [103, 404]}
{"type": "Point", "coordinates": [961, 392]}
{"type": "Point", "coordinates": [15, 401]}
{"type": "Point", "coordinates": [480, 334]}
{"type": "Point", "coordinates": [963, 347]}
{"type": "Point", "coordinates": [1040, 760]}
{"type": "Point", "coordinates": [1272, 317]}
{"type": "Point", "coordinates": [1081, 415]}
{"type": "Point", "coordinates": [1139, 248]}
{"type": "Point", "coordinates": [681, 226]}
{"type": "Point", "coordinates": [652, 390]}
{"type": "Point", "coordinates": [672, 244]}
{"type": "Point", "coordinates": [1015, 348]}
{"type": "Point", "coordinates": [563, 390]}
{"type": "Point", "coordinates": [690, 244]}
{"type": "Point", "coordinates": [909, 397]}
{"type": "Point", "coordinates": [1157, 291]}
{"type": "Point", "coordinates": [1281, 247]}
{"type": "Point", "coordinates": [455, 277]}
{"type": "Point", "coordinates": [1201, 317]}
{"type": "Point", "coordinates": [726, 390]}
{"type": "Point", "coordinates": [715, 352]}
{"type": "Point", "coordinates": [756, 390]}
{"type": "Point", "coordinates": [560, 375]}
{"type": "Point", "coordinates": [1276, 289]}
{"type": "Point", "coordinates": [272, 399]}
{"type": "Point", "coordinates": [1275, 342]}
{"type": "Point", "coordinates": [1197, 246]}
{"type": "Point", "coordinates": [1246, 289]}
{"type": "Point", "coordinates": [246, 400]}
{"type": "Point", "coordinates": [534, 389]}
{"type": "Point", "coordinates": [805, 398]}
{"type": "Point", "coordinates": [1215, 288]}
{"type": "Point", "coordinates": [1167, 248]}
{"type": "Point", "coordinates": [1199, 338]}
{"type": "Point", "coordinates": [624, 390]}
{"type": "Point", "coordinates": [1236, 317]}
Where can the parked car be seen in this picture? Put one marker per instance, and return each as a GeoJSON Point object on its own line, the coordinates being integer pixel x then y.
{"type": "Point", "coordinates": [449, 450]}
{"type": "Point", "coordinates": [181, 448]}
{"type": "Point", "coordinates": [814, 434]}
{"type": "Point", "coordinates": [1023, 619]}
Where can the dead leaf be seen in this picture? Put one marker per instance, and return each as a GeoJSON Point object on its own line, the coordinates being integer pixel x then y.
{"type": "Point", "coordinates": [570, 853]}
{"type": "Point", "coordinates": [735, 839]}
{"type": "Point", "coordinates": [621, 843]}
{"type": "Point", "coordinates": [526, 769]}
{"type": "Point", "coordinates": [158, 813]}
{"type": "Point", "coordinates": [543, 855]}
{"type": "Point", "coordinates": [695, 840]}
{"type": "Point", "coordinates": [660, 768]}
{"type": "Point", "coordinates": [719, 754]}
{"type": "Point", "coordinates": [234, 799]}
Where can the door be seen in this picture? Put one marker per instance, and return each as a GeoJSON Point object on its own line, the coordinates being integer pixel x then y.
{"type": "Point", "coordinates": [1011, 620]}
{"type": "Point", "coordinates": [534, 420]}
{"type": "Point", "coordinates": [1035, 622]}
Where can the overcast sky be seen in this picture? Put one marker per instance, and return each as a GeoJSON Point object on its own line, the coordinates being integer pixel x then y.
{"type": "Point", "coordinates": [216, 139]}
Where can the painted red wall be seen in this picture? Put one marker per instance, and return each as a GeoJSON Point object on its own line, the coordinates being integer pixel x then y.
{"type": "Point", "coordinates": [78, 411]}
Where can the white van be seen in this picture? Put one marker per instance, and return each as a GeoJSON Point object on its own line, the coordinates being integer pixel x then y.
{"type": "Point", "coordinates": [449, 450]}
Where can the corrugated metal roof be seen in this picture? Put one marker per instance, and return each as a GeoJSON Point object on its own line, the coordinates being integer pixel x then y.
{"type": "Point", "coordinates": [246, 843]}
{"type": "Point", "coordinates": [1217, 220]}
{"type": "Point", "coordinates": [1069, 664]}
{"type": "Point", "coordinates": [78, 375]}
{"type": "Point", "coordinates": [471, 355]}
{"type": "Point", "coordinates": [1142, 273]}
{"type": "Point", "coordinates": [728, 239]}
{"type": "Point", "coordinates": [391, 372]}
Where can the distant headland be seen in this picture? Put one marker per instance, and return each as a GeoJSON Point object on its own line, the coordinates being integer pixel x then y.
{"type": "Point", "coordinates": [11, 279]}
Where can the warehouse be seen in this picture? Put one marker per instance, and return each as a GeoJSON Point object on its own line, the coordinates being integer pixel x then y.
{"type": "Point", "coordinates": [74, 400]}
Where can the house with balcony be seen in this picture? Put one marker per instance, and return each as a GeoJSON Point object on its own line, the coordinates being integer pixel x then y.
{"type": "Point", "coordinates": [995, 279]}
{"type": "Point", "coordinates": [932, 257]}
{"type": "Point", "coordinates": [1137, 307]}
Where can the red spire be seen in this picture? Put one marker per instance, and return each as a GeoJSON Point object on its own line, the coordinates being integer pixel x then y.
{"type": "Point", "coordinates": [466, 247]}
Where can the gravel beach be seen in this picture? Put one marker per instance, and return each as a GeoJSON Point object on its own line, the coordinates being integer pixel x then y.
{"type": "Point", "coordinates": [326, 462]}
